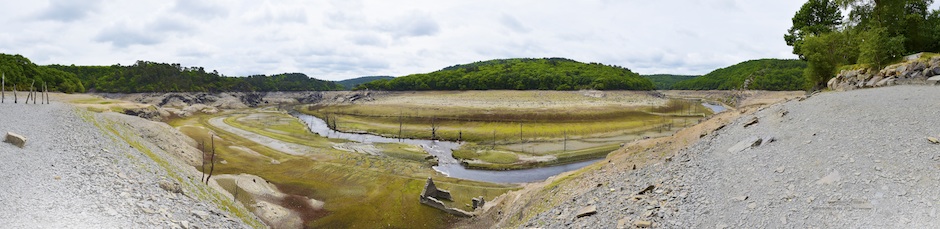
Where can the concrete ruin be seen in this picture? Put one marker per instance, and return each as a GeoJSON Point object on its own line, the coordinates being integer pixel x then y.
{"type": "Point", "coordinates": [432, 196]}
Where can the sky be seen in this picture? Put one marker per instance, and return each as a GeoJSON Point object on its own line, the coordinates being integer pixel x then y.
{"type": "Point", "coordinates": [343, 39]}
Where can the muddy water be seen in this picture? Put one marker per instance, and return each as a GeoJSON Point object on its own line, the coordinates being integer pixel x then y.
{"type": "Point", "coordinates": [448, 165]}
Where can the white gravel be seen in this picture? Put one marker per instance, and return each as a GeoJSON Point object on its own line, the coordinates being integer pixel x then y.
{"type": "Point", "coordinates": [71, 175]}
{"type": "Point", "coordinates": [857, 159]}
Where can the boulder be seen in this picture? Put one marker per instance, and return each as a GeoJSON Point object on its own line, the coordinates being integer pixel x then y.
{"type": "Point", "coordinates": [885, 82]}
{"type": "Point", "coordinates": [170, 186]}
{"type": "Point", "coordinates": [873, 81]}
{"type": "Point", "coordinates": [832, 82]}
{"type": "Point", "coordinates": [936, 70]}
{"type": "Point", "coordinates": [643, 224]}
{"type": "Point", "coordinates": [933, 80]}
{"type": "Point", "coordinates": [15, 139]}
{"type": "Point", "coordinates": [745, 144]}
{"type": "Point", "coordinates": [587, 211]}
{"type": "Point", "coordinates": [917, 66]}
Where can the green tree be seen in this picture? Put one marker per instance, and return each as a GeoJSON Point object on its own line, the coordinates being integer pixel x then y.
{"type": "Point", "coordinates": [814, 18]}
{"type": "Point", "coordinates": [825, 53]}
{"type": "Point", "coordinates": [879, 47]}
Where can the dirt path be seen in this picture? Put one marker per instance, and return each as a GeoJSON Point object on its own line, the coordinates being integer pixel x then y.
{"type": "Point", "coordinates": [286, 147]}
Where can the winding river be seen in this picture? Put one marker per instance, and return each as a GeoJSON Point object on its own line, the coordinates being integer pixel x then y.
{"type": "Point", "coordinates": [447, 164]}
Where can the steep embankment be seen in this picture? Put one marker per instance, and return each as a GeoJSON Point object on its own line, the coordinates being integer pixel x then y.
{"type": "Point", "coordinates": [850, 159]}
{"type": "Point", "coordinates": [88, 170]}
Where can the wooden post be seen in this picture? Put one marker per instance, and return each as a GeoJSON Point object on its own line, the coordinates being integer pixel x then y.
{"type": "Point", "coordinates": [203, 171]}
{"type": "Point", "coordinates": [494, 139]}
{"type": "Point", "coordinates": [29, 94]}
{"type": "Point", "coordinates": [3, 88]}
{"type": "Point", "coordinates": [399, 126]}
{"type": "Point", "coordinates": [235, 198]}
{"type": "Point", "coordinates": [565, 149]}
{"type": "Point", "coordinates": [212, 161]}
{"type": "Point", "coordinates": [15, 100]}
{"type": "Point", "coordinates": [47, 93]}
{"type": "Point", "coordinates": [520, 133]}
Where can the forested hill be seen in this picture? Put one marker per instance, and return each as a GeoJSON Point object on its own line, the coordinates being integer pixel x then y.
{"type": "Point", "coordinates": [519, 74]}
{"type": "Point", "coordinates": [21, 72]}
{"type": "Point", "coordinates": [145, 76]}
{"type": "Point", "coordinates": [766, 74]}
{"type": "Point", "coordinates": [352, 83]}
{"type": "Point", "coordinates": [665, 81]}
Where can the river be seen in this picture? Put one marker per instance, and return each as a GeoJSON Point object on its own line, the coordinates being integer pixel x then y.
{"type": "Point", "coordinates": [447, 164]}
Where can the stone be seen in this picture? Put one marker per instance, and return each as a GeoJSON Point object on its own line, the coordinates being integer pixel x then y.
{"type": "Point", "coordinates": [184, 224]}
{"type": "Point", "coordinates": [622, 223]}
{"type": "Point", "coordinates": [201, 214]}
{"type": "Point", "coordinates": [169, 186]}
{"type": "Point", "coordinates": [739, 198]}
{"type": "Point", "coordinates": [832, 82]}
{"type": "Point", "coordinates": [873, 81]}
{"type": "Point", "coordinates": [646, 190]}
{"type": "Point", "coordinates": [745, 144]}
{"type": "Point", "coordinates": [642, 224]}
{"type": "Point", "coordinates": [884, 82]}
{"type": "Point", "coordinates": [933, 80]}
{"type": "Point", "coordinates": [751, 205]}
{"type": "Point", "coordinates": [829, 179]}
{"type": "Point", "coordinates": [780, 169]}
{"type": "Point", "coordinates": [750, 122]}
{"type": "Point", "coordinates": [15, 139]}
{"type": "Point", "coordinates": [933, 140]}
{"type": "Point", "coordinates": [586, 211]}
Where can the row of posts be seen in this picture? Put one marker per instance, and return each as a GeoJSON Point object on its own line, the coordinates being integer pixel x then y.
{"type": "Point", "coordinates": [31, 95]}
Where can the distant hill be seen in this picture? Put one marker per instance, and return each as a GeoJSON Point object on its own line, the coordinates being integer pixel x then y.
{"type": "Point", "coordinates": [767, 74]}
{"type": "Point", "coordinates": [665, 81]}
{"type": "Point", "coordinates": [352, 83]}
{"type": "Point", "coordinates": [146, 76]}
{"type": "Point", "coordinates": [520, 74]}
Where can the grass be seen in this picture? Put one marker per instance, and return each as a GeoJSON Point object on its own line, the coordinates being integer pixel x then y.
{"type": "Point", "coordinates": [359, 190]}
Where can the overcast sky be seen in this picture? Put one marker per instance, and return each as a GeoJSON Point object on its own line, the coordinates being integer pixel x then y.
{"type": "Point", "coordinates": [343, 39]}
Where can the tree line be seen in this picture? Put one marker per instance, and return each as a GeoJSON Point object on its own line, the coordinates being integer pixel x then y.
{"type": "Point", "coordinates": [764, 74]}
{"type": "Point", "coordinates": [873, 35]}
{"type": "Point", "coordinates": [146, 76]}
{"type": "Point", "coordinates": [519, 74]}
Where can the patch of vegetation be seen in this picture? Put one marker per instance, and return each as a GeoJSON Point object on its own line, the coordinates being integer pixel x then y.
{"type": "Point", "coordinates": [764, 74]}
{"type": "Point", "coordinates": [519, 74]}
{"type": "Point", "coordinates": [665, 81]}
{"type": "Point", "coordinates": [359, 190]}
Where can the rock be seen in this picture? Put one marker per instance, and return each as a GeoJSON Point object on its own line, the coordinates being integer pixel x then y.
{"type": "Point", "coordinates": [15, 139]}
{"type": "Point", "coordinates": [832, 82]}
{"type": "Point", "coordinates": [184, 224]}
{"type": "Point", "coordinates": [170, 186]}
{"type": "Point", "coordinates": [587, 211]}
{"type": "Point", "coordinates": [885, 82]}
{"type": "Point", "coordinates": [642, 224]}
{"type": "Point", "coordinates": [873, 81]}
{"type": "Point", "coordinates": [751, 205]}
{"type": "Point", "coordinates": [933, 80]}
{"type": "Point", "coordinates": [933, 140]}
{"type": "Point", "coordinates": [201, 214]}
{"type": "Point", "coordinates": [750, 122]}
{"type": "Point", "coordinates": [646, 190]}
{"type": "Point", "coordinates": [830, 179]}
{"type": "Point", "coordinates": [739, 198]}
{"type": "Point", "coordinates": [745, 144]}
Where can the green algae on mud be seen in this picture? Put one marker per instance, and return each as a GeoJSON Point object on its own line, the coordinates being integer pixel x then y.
{"type": "Point", "coordinates": [358, 190]}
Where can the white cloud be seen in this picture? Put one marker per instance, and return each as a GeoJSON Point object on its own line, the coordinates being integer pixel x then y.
{"type": "Point", "coordinates": [349, 38]}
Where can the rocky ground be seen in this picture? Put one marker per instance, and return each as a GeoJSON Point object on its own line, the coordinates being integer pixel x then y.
{"type": "Point", "coordinates": [857, 159]}
{"type": "Point", "coordinates": [71, 174]}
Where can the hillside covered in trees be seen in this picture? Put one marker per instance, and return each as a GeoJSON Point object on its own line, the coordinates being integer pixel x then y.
{"type": "Point", "coordinates": [145, 76]}
{"type": "Point", "coordinates": [352, 83]}
{"type": "Point", "coordinates": [765, 74]}
{"type": "Point", "coordinates": [519, 74]}
{"type": "Point", "coordinates": [875, 34]}
{"type": "Point", "coordinates": [665, 81]}
{"type": "Point", "coordinates": [21, 72]}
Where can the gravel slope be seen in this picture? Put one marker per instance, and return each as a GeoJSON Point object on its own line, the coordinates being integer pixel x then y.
{"type": "Point", "coordinates": [71, 175]}
{"type": "Point", "coordinates": [857, 159]}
